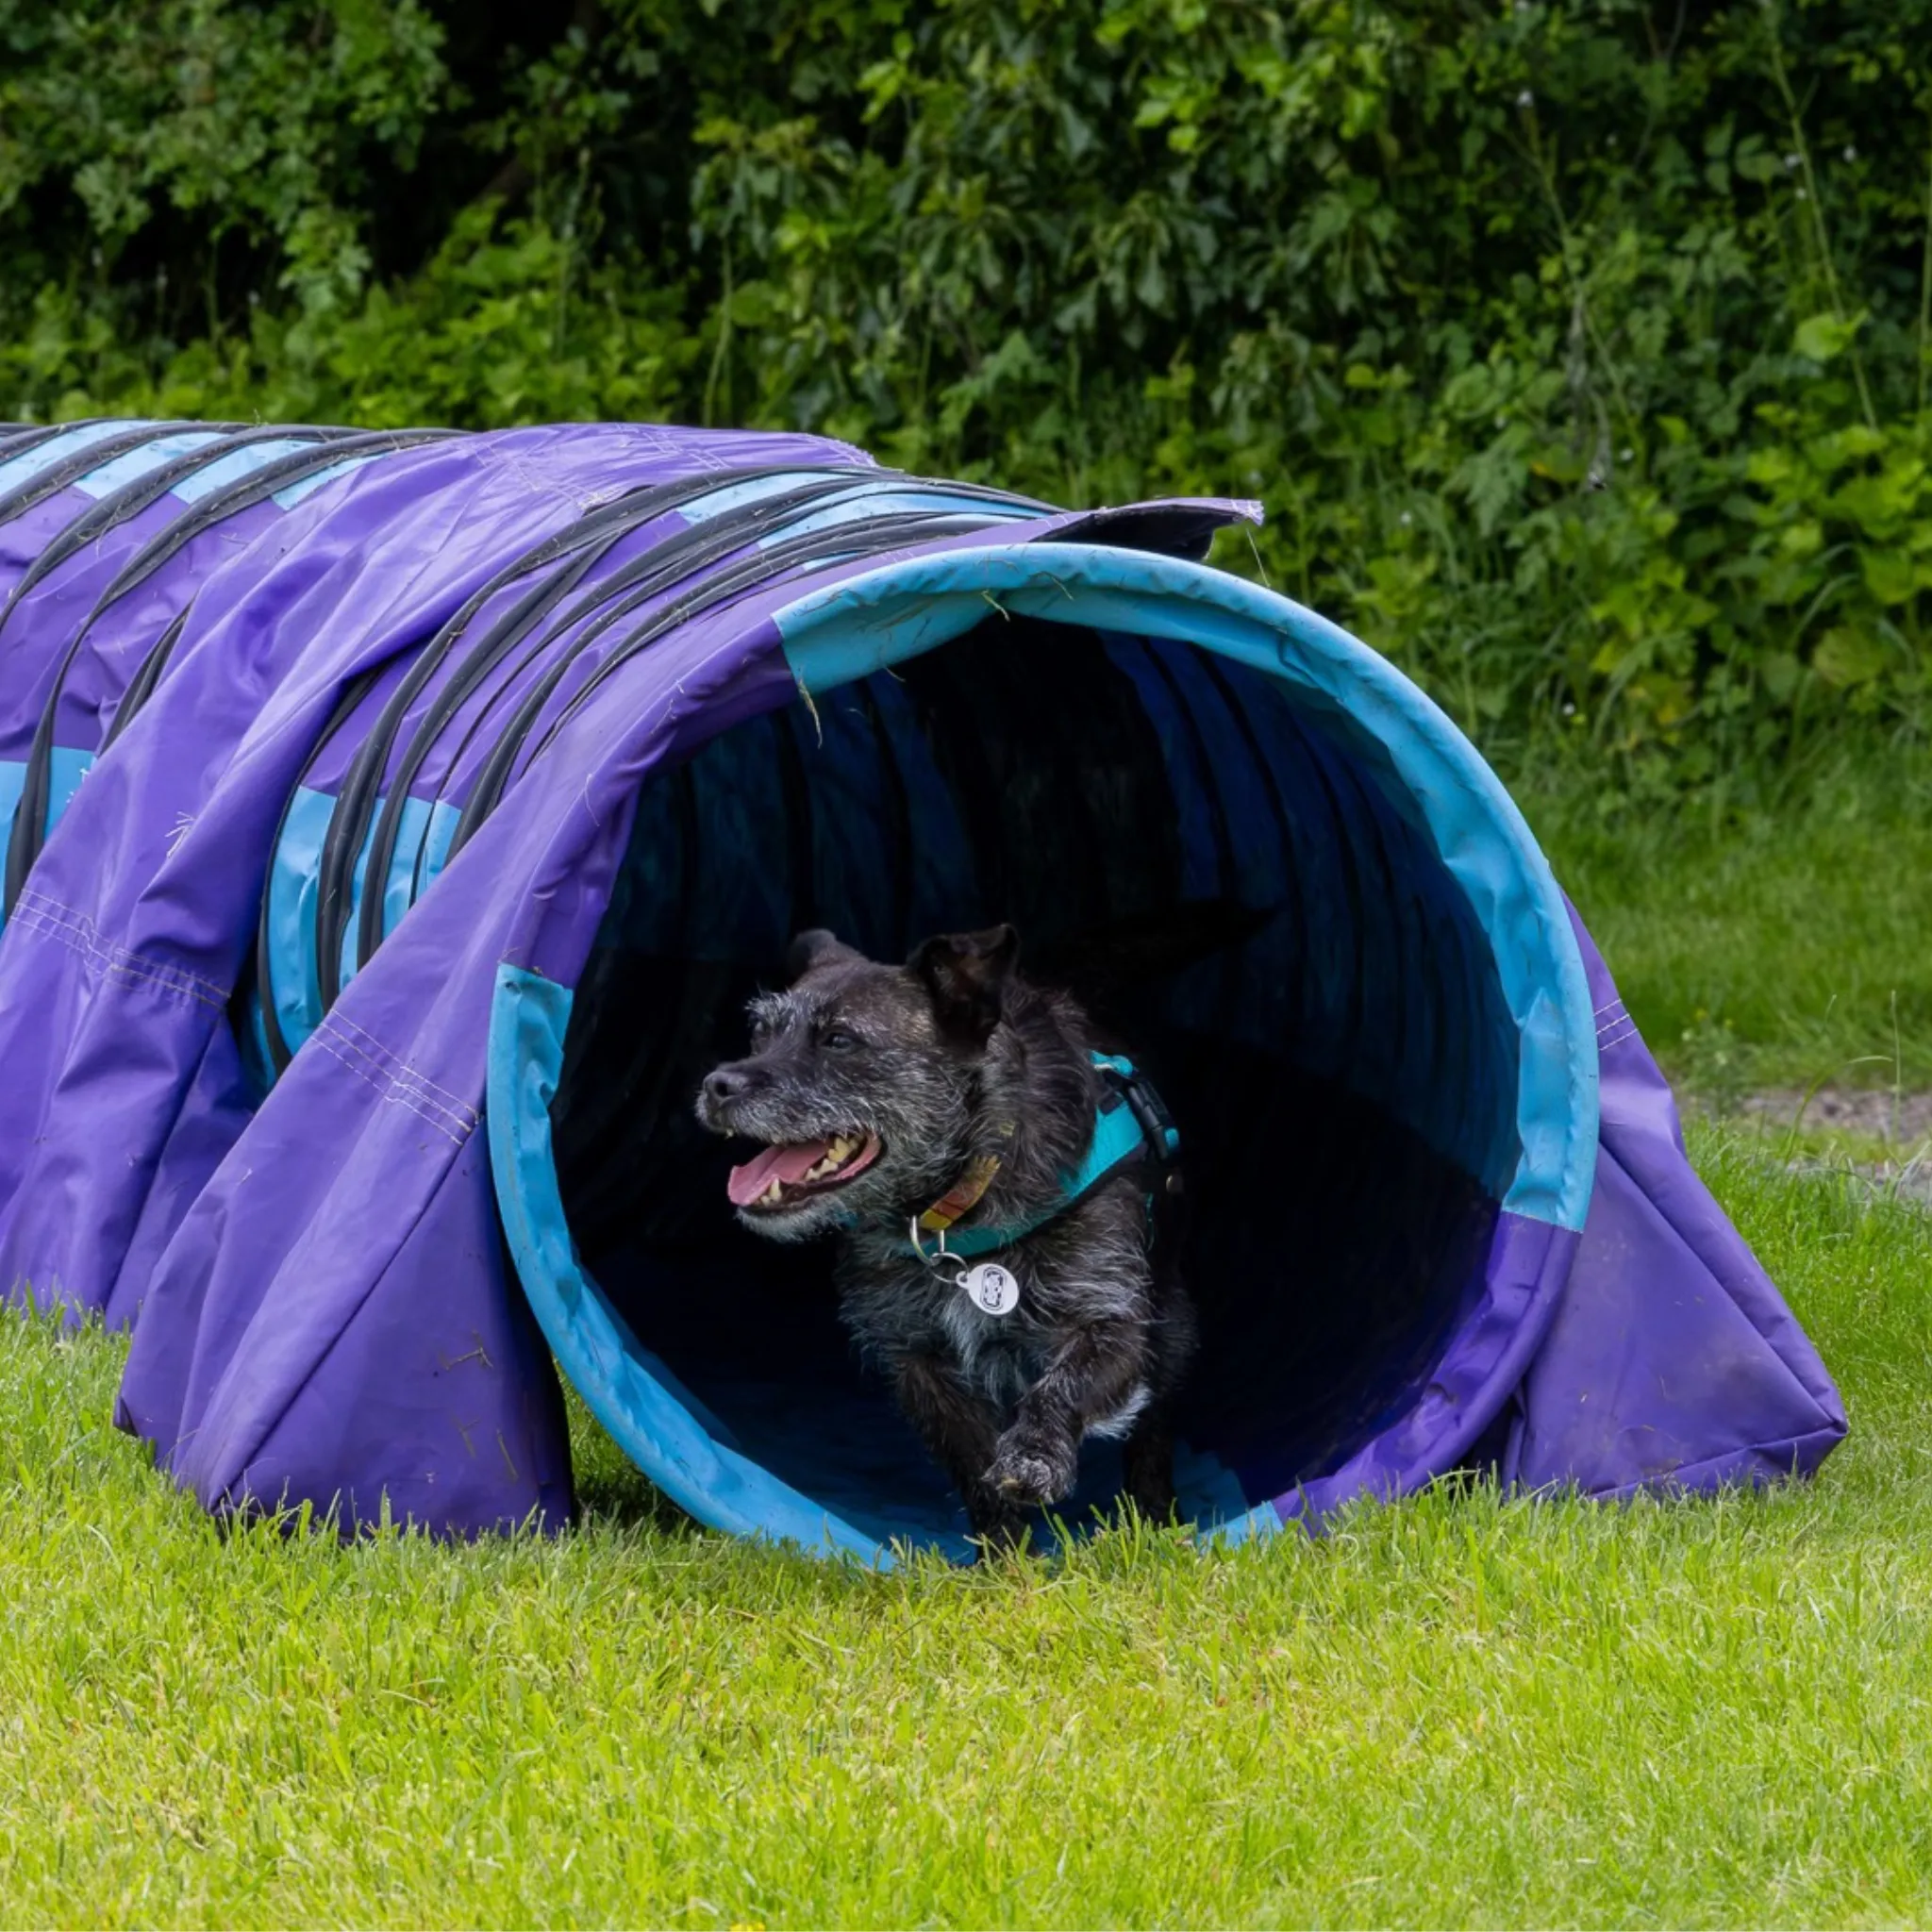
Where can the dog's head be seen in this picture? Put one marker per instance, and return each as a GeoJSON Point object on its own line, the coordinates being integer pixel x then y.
{"type": "Point", "coordinates": [861, 1082]}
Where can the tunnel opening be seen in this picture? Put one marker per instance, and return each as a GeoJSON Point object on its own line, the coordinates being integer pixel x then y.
{"type": "Point", "coordinates": [1231, 887]}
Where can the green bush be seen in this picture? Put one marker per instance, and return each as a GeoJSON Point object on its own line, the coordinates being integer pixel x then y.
{"type": "Point", "coordinates": [1578, 348]}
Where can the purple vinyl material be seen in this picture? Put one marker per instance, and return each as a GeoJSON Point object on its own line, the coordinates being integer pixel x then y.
{"type": "Point", "coordinates": [316, 1279]}
{"type": "Point", "coordinates": [132, 499]}
{"type": "Point", "coordinates": [1670, 1358]}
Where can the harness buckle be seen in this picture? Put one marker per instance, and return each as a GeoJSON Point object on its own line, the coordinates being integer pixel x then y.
{"type": "Point", "coordinates": [1150, 1112]}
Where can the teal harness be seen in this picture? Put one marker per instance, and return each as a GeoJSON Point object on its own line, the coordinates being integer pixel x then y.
{"type": "Point", "coordinates": [1130, 1125]}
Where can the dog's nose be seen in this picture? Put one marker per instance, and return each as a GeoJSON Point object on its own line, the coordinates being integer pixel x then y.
{"type": "Point", "coordinates": [726, 1084]}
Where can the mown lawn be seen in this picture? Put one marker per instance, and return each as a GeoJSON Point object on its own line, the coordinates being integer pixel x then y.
{"type": "Point", "coordinates": [1779, 948]}
{"type": "Point", "coordinates": [1459, 1711]}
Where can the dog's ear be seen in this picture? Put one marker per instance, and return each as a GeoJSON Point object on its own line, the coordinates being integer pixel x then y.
{"type": "Point", "coordinates": [816, 948]}
{"type": "Point", "coordinates": [966, 974]}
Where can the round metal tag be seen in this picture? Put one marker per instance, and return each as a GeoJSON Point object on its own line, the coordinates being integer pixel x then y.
{"type": "Point", "coordinates": [991, 1288]}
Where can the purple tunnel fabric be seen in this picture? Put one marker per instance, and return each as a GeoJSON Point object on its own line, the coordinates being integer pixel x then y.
{"type": "Point", "coordinates": [394, 822]}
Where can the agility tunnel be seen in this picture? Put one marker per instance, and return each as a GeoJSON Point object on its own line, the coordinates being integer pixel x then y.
{"type": "Point", "coordinates": [396, 824]}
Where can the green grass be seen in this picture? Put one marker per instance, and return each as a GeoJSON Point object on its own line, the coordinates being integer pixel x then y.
{"type": "Point", "coordinates": [1463, 1709]}
{"type": "Point", "coordinates": [1779, 948]}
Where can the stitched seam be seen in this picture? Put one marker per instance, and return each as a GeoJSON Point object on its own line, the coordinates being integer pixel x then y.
{"type": "Point", "coordinates": [57, 915]}
{"type": "Point", "coordinates": [376, 1050]}
{"type": "Point", "coordinates": [108, 969]}
{"type": "Point", "coordinates": [100, 959]}
{"type": "Point", "coordinates": [386, 1089]}
{"type": "Point", "coordinates": [390, 1095]}
{"type": "Point", "coordinates": [394, 1070]}
{"type": "Point", "coordinates": [387, 1068]}
{"type": "Point", "coordinates": [378, 1075]}
{"type": "Point", "coordinates": [85, 936]}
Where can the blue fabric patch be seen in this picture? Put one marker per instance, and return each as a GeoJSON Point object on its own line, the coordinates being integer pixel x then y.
{"type": "Point", "coordinates": [867, 497]}
{"type": "Point", "coordinates": [294, 885]}
{"type": "Point", "coordinates": [701, 509]}
{"type": "Point", "coordinates": [308, 486]}
{"type": "Point", "coordinates": [132, 465]}
{"type": "Point", "coordinates": [24, 468]}
{"type": "Point", "coordinates": [409, 876]}
{"type": "Point", "coordinates": [293, 888]}
{"type": "Point", "coordinates": [876, 499]}
{"type": "Point", "coordinates": [65, 770]}
{"type": "Point", "coordinates": [237, 464]}
{"type": "Point", "coordinates": [13, 782]}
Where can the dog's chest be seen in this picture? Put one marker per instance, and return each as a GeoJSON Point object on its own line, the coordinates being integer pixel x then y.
{"type": "Point", "coordinates": [977, 1333]}
{"type": "Point", "coordinates": [1000, 1354]}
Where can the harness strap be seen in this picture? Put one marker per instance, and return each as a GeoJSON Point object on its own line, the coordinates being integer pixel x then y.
{"type": "Point", "coordinates": [1130, 1123]}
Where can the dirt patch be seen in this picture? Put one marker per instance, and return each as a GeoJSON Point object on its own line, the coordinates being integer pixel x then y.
{"type": "Point", "coordinates": [1899, 1124]}
{"type": "Point", "coordinates": [1904, 1120]}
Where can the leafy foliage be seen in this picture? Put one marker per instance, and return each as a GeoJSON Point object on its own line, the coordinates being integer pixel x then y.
{"type": "Point", "coordinates": [1580, 348]}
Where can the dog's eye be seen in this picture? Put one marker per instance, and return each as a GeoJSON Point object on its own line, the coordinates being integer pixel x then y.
{"type": "Point", "coordinates": [839, 1040]}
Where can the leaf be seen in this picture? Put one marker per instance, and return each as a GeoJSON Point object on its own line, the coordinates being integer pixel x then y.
{"type": "Point", "coordinates": [1780, 671]}
{"type": "Point", "coordinates": [1889, 575]}
{"type": "Point", "coordinates": [1846, 658]}
{"type": "Point", "coordinates": [1823, 337]}
{"type": "Point", "coordinates": [1559, 464]}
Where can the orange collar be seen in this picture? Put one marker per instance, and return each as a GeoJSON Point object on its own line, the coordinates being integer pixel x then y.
{"type": "Point", "coordinates": [966, 1193]}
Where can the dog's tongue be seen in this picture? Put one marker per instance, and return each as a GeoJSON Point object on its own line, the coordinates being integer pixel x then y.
{"type": "Point", "coordinates": [787, 1164]}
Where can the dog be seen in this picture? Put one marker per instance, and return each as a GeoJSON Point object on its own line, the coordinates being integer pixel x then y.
{"type": "Point", "coordinates": [930, 1113]}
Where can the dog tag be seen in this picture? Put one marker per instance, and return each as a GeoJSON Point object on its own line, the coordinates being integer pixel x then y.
{"type": "Point", "coordinates": [991, 1288]}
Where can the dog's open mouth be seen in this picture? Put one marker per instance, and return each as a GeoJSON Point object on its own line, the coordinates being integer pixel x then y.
{"type": "Point", "coordinates": [782, 1176]}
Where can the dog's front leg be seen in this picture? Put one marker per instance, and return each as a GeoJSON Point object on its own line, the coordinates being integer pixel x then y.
{"type": "Point", "coordinates": [1092, 1375]}
{"type": "Point", "coordinates": [1147, 1462]}
{"type": "Point", "coordinates": [959, 1432]}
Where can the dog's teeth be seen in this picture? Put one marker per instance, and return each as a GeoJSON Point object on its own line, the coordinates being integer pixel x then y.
{"type": "Point", "coordinates": [838, 1151]}
{"type": "Point", "coordinates": [770, 1197]}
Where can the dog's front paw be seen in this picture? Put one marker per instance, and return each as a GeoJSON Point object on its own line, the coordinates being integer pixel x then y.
{"type": "Point", "coordinates": [1032, 1470]}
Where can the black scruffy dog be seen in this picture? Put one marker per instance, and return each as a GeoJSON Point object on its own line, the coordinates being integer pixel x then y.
{"type": "Point", "coordinates": [951, 1089]}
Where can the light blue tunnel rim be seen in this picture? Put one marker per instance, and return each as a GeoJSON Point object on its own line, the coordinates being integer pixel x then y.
{"type": "Point", "coordinates": [628, 1391]}
{"type": "Point", "coordinates": [866, 623]}
{"type": "Point", "coordinates": [863, 623]}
